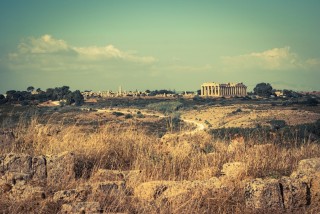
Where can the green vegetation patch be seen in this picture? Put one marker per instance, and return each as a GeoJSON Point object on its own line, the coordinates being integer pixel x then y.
{"type": "Point", "coordinates": [165, 107]}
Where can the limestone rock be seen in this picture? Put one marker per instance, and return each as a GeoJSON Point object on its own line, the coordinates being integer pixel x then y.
{"type": "Point", "coordinates": [103, 189]}
{"type": "Point", "coordinates": [39, 169]}
{"type": "Point", "coordinates": [21, 163]}
{"type": "Point", "coordinates": [309, 166]}
{"type": "Point", "coordinates": [263, 194]}
{"type": "Point", "coordinates": [61, 168]}
{"type": "Point", "coordinates": [15, 178]}
{"type": "Point", "coordinates": [234, 170]}
{"type": "Point", "coordinates": [72, 195]}
{"type": "Point", "coordinates": [295, 193]}
{"type": "Point", "coordinates": [177, 191]}
{"type": "Point", "coordinates": [81, 207]}
{"type": "Point", "coordinates": [315, 191]}
{"type": "Point", "coordinates": [149, 191]}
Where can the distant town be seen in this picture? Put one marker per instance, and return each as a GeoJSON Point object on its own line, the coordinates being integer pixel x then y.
{"type": "Point", "coordinates": [208, 90]}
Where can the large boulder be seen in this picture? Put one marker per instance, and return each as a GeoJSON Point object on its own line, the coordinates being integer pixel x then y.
{"type": "Point", "coordinates": [315, 191]}
{"type": "Point", "coordinates": [263, 194]}
{"type": "Point", "coordinates": [307, 167]}
{"type": "Point", "coordinates": [39, 169]}
{"type": "Point", "coordinates": [72, 195]}
{"type": "Point", "coordinates": [61, 168]}
{"type": "Point", "coordinates": [295, 193]}
{"type": "Point", "coordinates": [107, 188]}
{"type": "Point", "coordinates": [151, 190]}
{"type": "Point", "coordinates": [20, 163]}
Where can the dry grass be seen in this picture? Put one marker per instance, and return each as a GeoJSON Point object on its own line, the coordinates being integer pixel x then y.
{"type": "Point", "coordinates": [125, 148]}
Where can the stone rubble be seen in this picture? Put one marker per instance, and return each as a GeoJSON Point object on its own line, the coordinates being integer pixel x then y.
{"type": "Point", "coordinates": [23, 177]}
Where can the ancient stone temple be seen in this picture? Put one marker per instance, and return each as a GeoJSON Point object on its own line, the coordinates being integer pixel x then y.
{"type": "Point", "coordinates": [212, 89]}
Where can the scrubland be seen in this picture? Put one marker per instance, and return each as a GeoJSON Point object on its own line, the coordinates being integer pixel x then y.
{"type": "Point", "coordinates": [177, 172]}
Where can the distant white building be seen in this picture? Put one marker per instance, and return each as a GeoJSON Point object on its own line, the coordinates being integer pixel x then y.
{"type": "Point", "coordinates": [212, 89]}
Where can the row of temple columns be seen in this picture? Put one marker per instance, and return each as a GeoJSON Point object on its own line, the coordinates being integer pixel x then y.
{"type": "Point", "coordinates": [223, 91]}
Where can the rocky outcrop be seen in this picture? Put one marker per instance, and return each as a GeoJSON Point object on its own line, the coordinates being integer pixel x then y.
{"type": "Point", "coordinates": [25, 177]}
{"type": "Point", "coordinates": [299, 191]}
{"type": "Point", "coordinates": [263, 194]}
{"type": "Point", "coordinates": [294, 193]}
{"type": "Point", "coordinates": [61, 168]}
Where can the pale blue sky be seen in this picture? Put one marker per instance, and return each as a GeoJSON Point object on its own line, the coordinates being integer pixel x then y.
{"type": "Point", "coordinates": [146, 44]}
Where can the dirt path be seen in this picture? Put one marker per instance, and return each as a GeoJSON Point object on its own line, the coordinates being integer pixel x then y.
{"type": "Point", "coordinates": [199, 126]}
{"type": "Point", "coordinates": [248, 116]}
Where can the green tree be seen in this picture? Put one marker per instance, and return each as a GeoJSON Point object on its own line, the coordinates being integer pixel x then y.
{"type": "Point", "coordinates": [30, 88]}
{"type": "Point", "coordinates": [263, 89]}
{"type": "Point", "coordinates": [75, 97]}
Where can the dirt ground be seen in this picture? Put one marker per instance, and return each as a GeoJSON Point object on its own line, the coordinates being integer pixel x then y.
{"type": "Point", "coordinates": [249, 115]}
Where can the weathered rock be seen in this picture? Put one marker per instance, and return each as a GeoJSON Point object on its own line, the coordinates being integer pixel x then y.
{"type": "Point", "coordinates": [39, 169]}
{"type": "Point", "coordinates": [61, 168]}
{"type": "Point", "coordinates": [294, 192]}
{"type": "Point", "coordinates": [309, 166]}
{"type": "Point", "coordinates": [15, 178]}
{"type": "Point", "coordinates": [177, 191]}
{"type": "Point", "coordinates": [21, 163]}
{"type": "Point", "coordinates": [315, 190]}
{"type": "Point", "coordinates": [72, 195]}
{"type": "Point", "coordinates": [263, 194]}
{"type": "Point", "coordinates": [103, 189]}
{"type": "Point", "coordinates": [234, 170]}
{"type": "Point", "coordinates": [81, 207]}
{"type": "Point", "coordinates": [149, 191]}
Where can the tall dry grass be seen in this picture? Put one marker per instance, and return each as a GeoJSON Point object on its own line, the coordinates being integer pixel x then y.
{"type": "Point", "coordinates": [184, 157]}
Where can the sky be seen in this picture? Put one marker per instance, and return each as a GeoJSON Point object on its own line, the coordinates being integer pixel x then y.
{"type": "Point", "coordinates": [147, 44]}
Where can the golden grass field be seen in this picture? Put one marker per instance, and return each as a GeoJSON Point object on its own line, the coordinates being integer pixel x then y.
{"type": "Point", "coordinates": [115, 143]}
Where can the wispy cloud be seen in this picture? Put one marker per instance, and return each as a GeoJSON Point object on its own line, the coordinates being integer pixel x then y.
{"type": "Point", "coordinates": [48, 53]}
{"type": "Point", "coordinates": [273, 59]}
